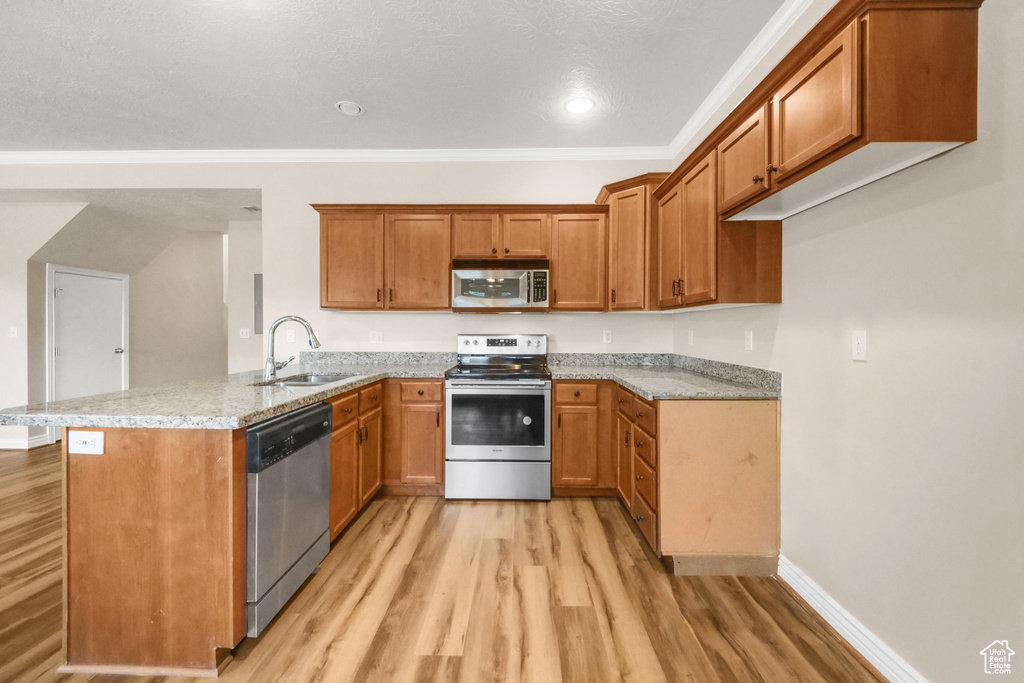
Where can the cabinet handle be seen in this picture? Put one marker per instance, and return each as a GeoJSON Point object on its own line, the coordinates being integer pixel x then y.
{"type": "Point", "coordinates": [639, 518]}
{"type": "Point", "coordinates": [420, 392]}
{"type": "Point", "coordinates": [639, 477]}
{"type": "Point", "coordinates": [576, 394]}
{"type": "Point", "coordinates": [758, 179]}
{"type": "Point", "coordinates": [438, 416]}
{"type": "Point", "coordinates": [559, 420]}
{"type": "Point", "coordinates": [771, 168]}
{"type": "Point", "coordinates": [367, 437]}
{"type": "Point", "coordinates": [639, 415]}
{"type": "Point", "coordinates": [682, 289]}
{"type": "Point", "coordinates": [359, 437]}
{"type": "Point", "coordinates": [374, 397]}
{"type": "Point", "coordinates": [348, 411]}
{"type": "Point", "coordinates": [613, 296]}
{"type": "Point", "coordinates": [506, 250]}
{"type": "Point", "coordinates": [627, 438]}
{"type": "Point", "coordinates": [675, 284]}
{"type": "Point", "coordinates": [378, 295]}
{"type": "Point", "coordinates": [494, 250]}
{"type": "Point", "coordinates": [554, 296]}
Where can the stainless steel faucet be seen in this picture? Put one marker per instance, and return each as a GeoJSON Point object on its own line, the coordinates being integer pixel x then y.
{"type": "Point", "coordinates": [270, 371]}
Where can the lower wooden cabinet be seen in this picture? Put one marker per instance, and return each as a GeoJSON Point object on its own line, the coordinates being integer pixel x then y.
{"type": "Point", "coordinates": [370, 442]}
{"type": "Point", "coordinates": [414, 424]}
{"type": "Point", "coordinates": [582, 453]}
{"type": "Point", "coordinates": [623, 458]}
{"type": "Point", "coordinates": [422, 443]}
{"type": "Point", "coordinates": [345, 499]}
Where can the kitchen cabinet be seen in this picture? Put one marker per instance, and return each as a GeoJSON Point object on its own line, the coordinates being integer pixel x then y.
{"type": "Point", "coordinates": [578, 262]}
{"type": "Point", "coordinates": [670, 249]}
{"type": "Point", "coordinates": [744, 158]}
{"type": "Point", "coordinates": [414, 424]}
{"type": "Point", "coordinates": [583, 457]}
{"type": "Point", "coordinates": [418, 257]}
{"type": "Point", "coordinates": [352, 261]}
{"type": "Point", "coordinates": [526, 235]}
{"type": "Point", "coordinates": [345, 500]}
{"type": "Point", "coordinates": [699, 227]}
{"type": "Point", "coordinates": [422, 443]}
{"type": "Point", "coordinates": [370, 451]}
{"type": "Point", "coordinates": [574, 446]}
{"type": "Point", "coordinates": [476, 235]}
{"type": "Point", "coordinates": [624, 458]}
{"type": "Point", "coordinates": [818, 109]}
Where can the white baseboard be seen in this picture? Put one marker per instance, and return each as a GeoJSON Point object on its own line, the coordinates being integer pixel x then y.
{"type": "Point", "coordinates": [888, 663]}
{"type": "Point", "coordinates": [24, 444]}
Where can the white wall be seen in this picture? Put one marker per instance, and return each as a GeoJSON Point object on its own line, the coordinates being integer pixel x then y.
{"type": "Point", "coordinates": [903, 477]}
{"type": "Point", "coordinates": [177, 318]}
{"type": "Point", "coordinates": [24, 227]}
{"type": "Point", "coordinates": [245, 259]}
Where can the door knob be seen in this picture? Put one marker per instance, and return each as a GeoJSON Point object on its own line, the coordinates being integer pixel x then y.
{"type": "Point", "coordinates": [118, 350]}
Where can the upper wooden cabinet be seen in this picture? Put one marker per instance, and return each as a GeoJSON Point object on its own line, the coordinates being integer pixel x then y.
{"type": "Point", "coordinates": [352, 260]}
{"type": "Point", "coordinates": [578, 262]}
{"type": "Point", "coordinates": [699, 221]}
{"type": "Point", "coordinates": [818, 108]}
{"type": "Point", "coordinates": [476, 235]}
{"type": "Point", "coordinates": [525, 235]}
{"type": "Point", "coordinates": [743, 161]}
{"type": "Point", "coordinates": [670, 249]}
{"type": "Point", "coordinates": [418, 256]}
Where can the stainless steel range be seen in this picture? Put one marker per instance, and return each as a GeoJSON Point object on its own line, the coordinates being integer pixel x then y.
{"type": "Point", "coordinates": [499, 419]}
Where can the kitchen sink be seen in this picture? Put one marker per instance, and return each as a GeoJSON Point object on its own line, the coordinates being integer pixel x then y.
{"type": "Point", "coordinates": [308, 380]}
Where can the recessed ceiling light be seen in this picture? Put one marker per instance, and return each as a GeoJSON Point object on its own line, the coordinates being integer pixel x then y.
{"type": "Point", "coordinates": [348, 108]}
{"type": "Point", "coordinates": [579, 105]}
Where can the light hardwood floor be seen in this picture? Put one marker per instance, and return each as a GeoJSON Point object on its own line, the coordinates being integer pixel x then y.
{"type": "Point", "coordinates": [427, 590]}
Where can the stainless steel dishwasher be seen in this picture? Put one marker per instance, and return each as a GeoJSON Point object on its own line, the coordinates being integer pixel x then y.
{"type": "Point", "coordinates": [288, 499]}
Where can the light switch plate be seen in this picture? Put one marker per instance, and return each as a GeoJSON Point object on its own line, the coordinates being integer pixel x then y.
{"type": "Point", "coordinates": [859, 351]}
{"type": "Point", "coordinates": [243, 333]}
{"type": "Point", "coordinates": [14, 332]}
{"type": "Point", "coordinates": [85, 443]}
{"type": "Point", "coordinates": [607, 336]}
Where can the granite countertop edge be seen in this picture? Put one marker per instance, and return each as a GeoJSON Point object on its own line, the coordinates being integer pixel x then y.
{"type": "Point", "coordinates": [116, 410]}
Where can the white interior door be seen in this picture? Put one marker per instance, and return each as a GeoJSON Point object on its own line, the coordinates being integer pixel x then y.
{"type": "Point", "coordinates": [89, 348]}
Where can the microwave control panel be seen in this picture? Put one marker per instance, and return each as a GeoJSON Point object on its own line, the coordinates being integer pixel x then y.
{"type": "Point", "coordinates": [540, 286]}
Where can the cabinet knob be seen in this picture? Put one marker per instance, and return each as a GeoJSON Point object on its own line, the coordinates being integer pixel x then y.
{"type": "Point", "coordinates": [639, 415]}
{"type": "Point", "coordinates": [639, 443]}
{"type": "Point", "coordinates": [348, 411]}
{"type": "Point", "coordinates": [494, 250]}
{"type": "Point", "coordinates": [374, 397]}
{"type": "Point", "coordinates": [621, 401]}
{"type": "Point", "coordinates": [771, 168]}
{"type": "Point", "coordinates": [639, 518]}
{"type": "Point", "coordinates": [506, 250]}
{"type": "Point", "coordinates": [576, 394]}
{"type": "Point", "coordinates": [420, 392]}
{"type": "Point", "coordinates": [639, 477]}
{"type": "Point", "coordinates": [758, 179]}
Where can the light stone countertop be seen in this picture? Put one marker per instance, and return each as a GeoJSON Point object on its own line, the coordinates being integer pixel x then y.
{"type": "Point", "coordinates": [232, 402]}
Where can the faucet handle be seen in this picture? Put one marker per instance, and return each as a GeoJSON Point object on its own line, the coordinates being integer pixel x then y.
{"type": "Point", "coordinates": [284, 363]}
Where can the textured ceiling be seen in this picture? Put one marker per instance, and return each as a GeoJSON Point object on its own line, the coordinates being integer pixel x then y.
{"type": "Point", "coordinates": [444, 74]}
{"type": "Point", "coordinates": [123, 230]}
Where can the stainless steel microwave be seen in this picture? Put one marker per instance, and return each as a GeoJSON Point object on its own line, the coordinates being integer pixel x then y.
{"type": "Point", "coordinates": [489, 285]}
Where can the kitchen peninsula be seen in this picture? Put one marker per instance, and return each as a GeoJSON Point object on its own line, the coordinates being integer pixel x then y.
{"type": "Point", "coordinates": [155, 550]}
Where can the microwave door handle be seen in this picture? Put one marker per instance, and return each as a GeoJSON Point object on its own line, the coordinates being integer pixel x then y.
{"type": "Point", "coordinates": [528, 287]}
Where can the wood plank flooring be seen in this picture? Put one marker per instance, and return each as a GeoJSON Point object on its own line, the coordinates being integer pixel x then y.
{"type": "Point", "coordinates": [420, 589]}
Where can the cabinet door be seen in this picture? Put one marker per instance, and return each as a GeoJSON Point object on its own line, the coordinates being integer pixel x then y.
{"type": "Point", "coordinates": [369, 456]}
{"type": "Point", "coordinates": [525, 235]}
{"type": "Point", "coordinates": [743, 158]}
{"type": "Point", "coordinates": [700, 230]}
{"type": "Point", "coordinates": [352, 261]}
{"type": "Point", "coordinates": [475, 235]}
{"type": "Point", "coordinates": [418, 262]}
{"type": "Point", "coordinates": [627, 223]}
{"type": "Point", "coordinates": [818, 109]}
{"type": "Point", "coordinates": [670, 249]}
{"type": "Point", "coordinates": [422, 445]}
{"type": "Point", "coordinates": [344, 476]}
{"type": "Point", "coordinates": [624, 459]}
{"type": "Point", "coordinates": [574, 453]}
{"type": "Point", "coordinates": [578, 262]}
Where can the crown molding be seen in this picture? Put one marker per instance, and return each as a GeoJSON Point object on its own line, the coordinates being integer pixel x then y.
{"type": "Point", "coordinates": [231, 156]}
{"type": "Point", "coordinates": [769, 36]}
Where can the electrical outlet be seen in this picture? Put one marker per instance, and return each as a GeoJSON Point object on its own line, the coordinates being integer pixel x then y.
{"type": "Point", "coordinates": [689, 338]}
{"type": "Point", "coordinates": [607, 336]}
{"type": "Point", "coordinates": [376, 337]}
{"type": "Point", "coordinates": [14, 332]}
{"type": "Point", "coordinates": [289, 335]}
{"type": "Point", "coordinates": [86, 443]}
{"type": "Point", "coordinates": [748, 340]}
{"type": "Point", "coordinates": [860, 346]}
{"type": "Point", "coordinates": [243, 333]}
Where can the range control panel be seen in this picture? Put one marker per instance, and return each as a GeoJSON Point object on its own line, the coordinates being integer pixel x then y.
{"type": "Point", "coordinates": [503, 344]}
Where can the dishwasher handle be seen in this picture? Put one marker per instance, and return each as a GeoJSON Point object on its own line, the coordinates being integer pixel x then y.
{"type": "Point", "coordinates": [270, 442]}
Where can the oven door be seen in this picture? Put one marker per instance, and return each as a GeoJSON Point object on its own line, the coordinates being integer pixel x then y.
{"type": "Point", "coordinates": [488, 422]}
{"type": "Point", "coordinates": [490, 289]}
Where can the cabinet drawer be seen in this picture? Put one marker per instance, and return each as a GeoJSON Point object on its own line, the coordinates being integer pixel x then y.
{"type": "Point", "coordinates": [343, 409]}
{"type": "Point", "coordinates": [646, 481]}
{"type": "Point", "coordinates": [645, 518]}
{"type": "Point", "coordinates": [370, 398]}
{"type": "Point", "coordinates": [624, 401]}
{"type": "Point", "coordinates": [645, 446]}
{"type": "Point", "coordinates": [421, 392]}
{"type": "Point", "coordinates": [644, 415]}
{"type": "Point", "coordinates": [575, 393]}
